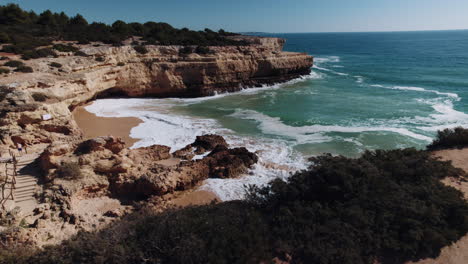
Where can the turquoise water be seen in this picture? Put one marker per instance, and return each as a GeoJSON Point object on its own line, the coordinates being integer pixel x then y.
{"type": "Point", "coordinates": [366, 91]}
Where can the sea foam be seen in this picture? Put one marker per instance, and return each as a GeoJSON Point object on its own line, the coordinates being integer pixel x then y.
{"type": "Point", "coordinates": [162, 126]}
{"type": "Point", "coordinates": [417, 89]}
{"type": "Point", "coordinates": [315, 133]}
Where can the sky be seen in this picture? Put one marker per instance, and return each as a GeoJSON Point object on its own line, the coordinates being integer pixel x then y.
{"type": "Point", "coordinates": [277, 16]}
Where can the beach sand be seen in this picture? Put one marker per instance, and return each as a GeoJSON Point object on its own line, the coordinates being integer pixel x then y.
{"type": "Point", "coordinates": [196, 197]}
{"type": "Point", "coordinates": [457, 253]}
{"type": "Point", "coordinates": [95, 126]}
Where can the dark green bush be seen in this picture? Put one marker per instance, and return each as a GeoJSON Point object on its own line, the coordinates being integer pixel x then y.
{"type": "Point", "coordinates": [14, 63]}
{"type": "Point", "coordinates": [40, 53]}
{"type": "Point", "coordinates": [100, 59]}
{"type": "Point", "coordinates": [65, 48]}
{"type": "Point", "coordinates": [135, 43]}
{"type": "Point", "coordinates": [120, 64]}
{"type": "Point", "coordinates": [450, 138]}
{"type": "Point", "coordinates": [39, 97]}
{"type": "Point", "coordinates": [185, 51]}
{"type": "Point", "coordinates": [386, 206]}
{"type": "Point", "coordinates": [202, 50]}
{"type": "Point", "coordinates": [70, 171]}
{"type": "Point", "coordinates": [141, 49]}
{"type": "Point", "coordinates": [4, 58]}
{"type": "Point", "coordinates": [4, 70]}
{"type": "Point", "coordinates": [26, 31]}
{"type": "Point", "coordinates": [26, 69]}
{"type": "Point", "coordinates": [4, 38]}
{"type": "Point", "coordinates": [56, 65]}
{"type": "Point", "coordinates": [81, 54]}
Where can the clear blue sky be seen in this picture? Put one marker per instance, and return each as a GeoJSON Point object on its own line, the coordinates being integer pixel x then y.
{"type": "Point", "coordinates": [271, 15]}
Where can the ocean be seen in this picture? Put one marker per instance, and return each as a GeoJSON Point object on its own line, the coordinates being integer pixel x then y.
{"type": "Point", "coordinates": [366, 91]}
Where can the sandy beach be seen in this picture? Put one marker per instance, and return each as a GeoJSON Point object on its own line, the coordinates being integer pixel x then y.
{"type": "Point", "coordinates": [95, 126]}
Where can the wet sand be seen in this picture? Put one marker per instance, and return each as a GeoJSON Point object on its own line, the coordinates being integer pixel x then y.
{"type": "Point", "coordinates": [95, 126]}
{"type": "Point", "coordinates": [196, 197]}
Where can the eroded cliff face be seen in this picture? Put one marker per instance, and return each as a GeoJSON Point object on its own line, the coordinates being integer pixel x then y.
{"type": "Point", "coordinates": [162, 72]}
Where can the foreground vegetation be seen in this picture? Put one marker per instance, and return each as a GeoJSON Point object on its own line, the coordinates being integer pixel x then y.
{"type": "Point", "coordinates": [386, 206]}
{"type": "Point", "coordinates": [450, 138]}
{"type": "Point", "coordinates": [25, 32]}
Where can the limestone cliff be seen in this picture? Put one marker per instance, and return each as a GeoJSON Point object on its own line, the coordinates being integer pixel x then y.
{"type": "Point", "coordinates": [161, 72]}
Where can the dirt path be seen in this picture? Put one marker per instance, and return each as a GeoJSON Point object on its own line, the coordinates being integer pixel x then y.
{"type": "Point", "coordinates": [457, 253]}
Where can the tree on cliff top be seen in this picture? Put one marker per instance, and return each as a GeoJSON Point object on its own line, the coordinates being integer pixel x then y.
{"type": "Point", "coordinates": [27, 31]}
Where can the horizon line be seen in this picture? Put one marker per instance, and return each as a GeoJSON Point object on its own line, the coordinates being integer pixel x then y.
{"type": "Point", "coordinates": [382, 31]}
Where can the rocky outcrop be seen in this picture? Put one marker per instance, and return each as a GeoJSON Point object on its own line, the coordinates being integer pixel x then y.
{"type": "Point", "coordinates": [201, 145]}
{"type": "Point", "coordinates": [134, 174]}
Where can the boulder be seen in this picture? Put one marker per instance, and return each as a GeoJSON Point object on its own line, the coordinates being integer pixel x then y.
{"type": "Point", "coordinates": [100, 143]}
{"type": "Point", "coordinates": [208, 142]}
{"type": "Point", "coordinates": [230, 163]}
{"type": "Point", "coordinates": [151, 153]}
{"type": "Point", "coordinates": [29, 118]}
{"type": "Point", "coordinates": [186, 153]}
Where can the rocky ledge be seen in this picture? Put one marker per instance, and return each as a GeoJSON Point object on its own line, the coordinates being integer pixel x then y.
{"type": "Point", "coordinates": [103, 71]}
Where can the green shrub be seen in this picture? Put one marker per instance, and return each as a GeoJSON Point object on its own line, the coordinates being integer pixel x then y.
{"type": "Point", "coordinates": [185, 51]}
{"type": "Point", "coordinates": [25, 69]}
{"type": "Point", "coordinates": [100, 59]}
{"type": "Point", "coordinates": [4, 70]}
{"type": "Point", "coordinates": [29, 31]}
{"type": "Point", "coordinates": [56, 65]}
{"type": "Point", "coordinates": [40, 53]}
{"type": "Point", "coordinates": [39, 97]}
{"type": "Point", "coordinates": [80, 53]}
{"type": "Point", "coordinates": [135, 43]}
{"type": "Point", "coordinates": [141, 49]}
{"type": "Point", "coordinates": [14, 63]}
{"type": "Point", "coordinates": [4, 38]}
{"type": "Point", "coordinates": [375, 207]}
{"type": "Point", "coordinates": [4, 58]}
{"type": "Point", "coordinates": [70, 171]}
{"type": "Point", "coordinates": [120, 64]}
{"type": "Point", "coordinates": [450, 138]}
{"type": "Point", "coordinates": [202, 50]}
{"type": "Point", "coordinates": [65, 48]}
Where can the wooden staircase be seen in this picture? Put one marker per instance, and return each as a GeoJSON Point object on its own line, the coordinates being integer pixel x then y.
{"type": "Point", "coordinates": [21, 184]}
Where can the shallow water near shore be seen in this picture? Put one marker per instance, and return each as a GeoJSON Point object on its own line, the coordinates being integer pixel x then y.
{"type": "Point", "coordinates": [366, 91]}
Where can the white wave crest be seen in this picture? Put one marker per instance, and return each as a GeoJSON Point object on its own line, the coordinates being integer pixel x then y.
{"type": "Point", "coordinates": [417, 89]}
{"type": "Point", "coordinates": [326, 59]}
{"type": "Point", "coordinates": [314, 133]}
{"type": "Point", "coordinates": [446, 116]}
{"type": "Point", "coordinates": [359, 79]}
{"type": "Point", "coordinates": [328, 70]}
